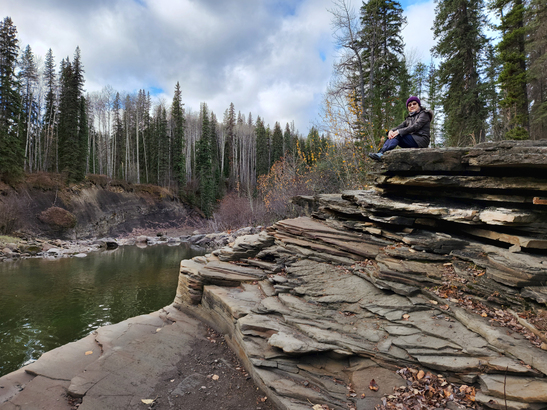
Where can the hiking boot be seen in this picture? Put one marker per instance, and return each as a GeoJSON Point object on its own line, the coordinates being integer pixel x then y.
{"type": "Point", "coordinates": [376, 156]}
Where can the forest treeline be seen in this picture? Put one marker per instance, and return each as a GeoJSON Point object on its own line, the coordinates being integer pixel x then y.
{"type": "Point", "coordinates": [479, 88]}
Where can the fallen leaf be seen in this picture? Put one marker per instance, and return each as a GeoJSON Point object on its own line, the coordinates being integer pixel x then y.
{"type": "Point", "coordinates": [373, 385]}
{"type": "Point", "coordinates": [454, 300]}
{"type": "Point", "coordinates": [434, 302]}
{"type": "Point", "coordinates": [406, 316]}
{"type": "Point", "coordinates": [89, 352]}
{"type": "Point", "coordinates": [158, 329]}
{"type": "Point", "coordinates": [317, 407]}
{"type": "Point", "coordinates": [363, 396]}
{"type": "Point", "coordinates": [420, 375]}
{"type": "Point", "coordinates": [147, 401]}
{"type": "Point", "coordinates": [484, 314]}
{"type": "Point", "coordinates": [215, 377]}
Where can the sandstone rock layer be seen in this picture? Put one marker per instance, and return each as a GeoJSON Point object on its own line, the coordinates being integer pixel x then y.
{"type": "Point", "coordinates": [319, 306]}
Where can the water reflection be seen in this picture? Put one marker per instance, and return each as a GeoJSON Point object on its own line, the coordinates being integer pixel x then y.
{"type": "Point", "coordinates": [47, 303]}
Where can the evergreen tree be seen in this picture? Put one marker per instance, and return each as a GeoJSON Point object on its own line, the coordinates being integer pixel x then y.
{"type": "Point", "coordinates": [383, 57]}
{"type": "Point", "coordinates": [288, 146]}
{"type": "Point", "coordinates": [262, 149]}
{"type": "Point", "coordinates": [179, 143]}
{"type": "Point", "coordinates": [11, 143]}
{"type": "Point", "coordinates": [277, 143]}
{"type": "Point", "coordinates": [458, 29]}
{"type": "Point", "coordinates": [537, 67]}
{"type": "Point", "coordinates": [418, 80]}
{"type": "Point", "coordinates": [215, 156]}
{"type": "Point", "coordinates": [513, 74]}
{"type": "Point", "coordinates": [204, 165]}
{"type": "Point", "coordinates": [230, 124]}
{"type": "Point", "coordinates": [71, 148]}
{"type": "Point", "coordinates": [50, 136]}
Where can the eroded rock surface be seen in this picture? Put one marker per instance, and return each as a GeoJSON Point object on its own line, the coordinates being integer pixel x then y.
{"type": "Point", "coordinates": [319, 306]}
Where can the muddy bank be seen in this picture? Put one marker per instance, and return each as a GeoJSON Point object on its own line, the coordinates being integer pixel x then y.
{"type": "Point", "coordinates": [44, 207]}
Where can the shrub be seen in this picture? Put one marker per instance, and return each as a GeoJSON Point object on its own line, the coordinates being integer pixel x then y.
{"type": "Point", "coordinates": [234, 212]}
{"type": "Point", "coordinates": [99, 180]}
{"type": "Point", "coordinates": [45, 181]}
{"type": "Point", "coordinates": [9, 216]}
{"type": "Point", "coordinates": [58, 218]}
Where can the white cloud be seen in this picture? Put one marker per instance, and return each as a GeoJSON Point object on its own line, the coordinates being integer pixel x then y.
{"type": "Point", "coordinates": [272, 58]}
{"type": "Point", "coordinates": [418, 33]}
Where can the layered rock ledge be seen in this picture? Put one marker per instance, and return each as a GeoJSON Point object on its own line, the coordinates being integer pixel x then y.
{"type": "Point", "coordinates": [321, 307]}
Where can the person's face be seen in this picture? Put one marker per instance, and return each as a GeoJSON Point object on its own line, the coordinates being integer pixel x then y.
{"type": "Point", "coordinates": [413, 106]}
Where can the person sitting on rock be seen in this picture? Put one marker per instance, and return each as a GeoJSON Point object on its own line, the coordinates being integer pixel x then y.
{"type": "Point", "coordinates": [413, 132]}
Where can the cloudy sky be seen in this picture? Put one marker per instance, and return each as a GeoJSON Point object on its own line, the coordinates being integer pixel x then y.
{"type": "Point", "coordinates": [270, 57]}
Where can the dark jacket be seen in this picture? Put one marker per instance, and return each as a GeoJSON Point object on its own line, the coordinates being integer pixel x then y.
{"type": "Point", "coordinates": [417, 124]}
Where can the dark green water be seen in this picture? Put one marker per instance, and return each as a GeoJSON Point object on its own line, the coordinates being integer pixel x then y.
{"type": "Point", "coordinates": [48, 303]}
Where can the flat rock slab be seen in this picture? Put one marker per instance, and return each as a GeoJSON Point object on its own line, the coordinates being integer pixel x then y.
{"type": "Point", "coordinates": [113, 368]}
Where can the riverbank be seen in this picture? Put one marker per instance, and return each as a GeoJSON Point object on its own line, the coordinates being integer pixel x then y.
{"type": "Point", "coordinates": [14, 248]}
{"type": "Point", "coordinates": [163, 360]}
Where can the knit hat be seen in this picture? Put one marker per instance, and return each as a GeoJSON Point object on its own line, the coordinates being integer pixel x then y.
{"type": "Point", "coordinates": [412, 98]}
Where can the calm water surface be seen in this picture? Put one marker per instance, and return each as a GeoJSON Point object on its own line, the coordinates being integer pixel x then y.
{"type": "Point", "coordinates": [48, 303]}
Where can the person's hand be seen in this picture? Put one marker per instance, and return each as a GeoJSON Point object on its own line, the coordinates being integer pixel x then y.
{"type": "Point", "coordinates": [392, 134]}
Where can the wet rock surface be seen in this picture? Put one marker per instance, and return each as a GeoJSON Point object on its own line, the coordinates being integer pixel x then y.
{"type": "Point", "coordinates": [386, 279]}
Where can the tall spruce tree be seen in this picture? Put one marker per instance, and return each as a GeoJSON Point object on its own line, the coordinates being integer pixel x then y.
{"type": "Point", "coordinates": [179, 142]}
{"type": "Point", "coordinates": [492, 95]}
{"type": "Point", "coordinates": [512, 77]}
{"type": "Point", "coordinates": [262, 148]}
{"type": "Point", "coordinates": [536, 17]}
{"type": "Point", "coordinates": [458, 28]}
{"type": "Point", "coordinates": [204, 169]}
{"type": "Point", "coordinates": [277, 142]}
{"type": "Point", "coordinates": [71, 147]}
{"type": "Point", "coordinates": [49, 135]}
{"type": "Point", "coordinates": [11, 142]}
{"type": "Point", "coordinates": [383, 57]}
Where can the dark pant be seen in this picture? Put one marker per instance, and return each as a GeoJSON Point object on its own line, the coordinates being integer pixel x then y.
{"type": "Point", "coordinates": [404, 141]}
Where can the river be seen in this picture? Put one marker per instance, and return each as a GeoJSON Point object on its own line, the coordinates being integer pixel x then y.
{"type": "Point", "coordinates": [47, 303]}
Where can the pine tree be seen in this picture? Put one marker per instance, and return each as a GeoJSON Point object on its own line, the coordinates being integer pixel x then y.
{"type": "Point", "coordinates": [179, 142]}
{"type": "Point", "coordinates": [230, 124]}
{"type": "Point", "coordinates": [458, 29]}
{"type": "Point", "coordinates": [71, 147]}
{"type": "Point", "coordinates": [50, 114]}
{"type": "Point", "coordinates": [277, 143]}
{"type": "Point", "coordinates": [512, 77]}
{"type": "Point", "coordinates": [262, 149]}
{"type": "Point", "coordinates": [288, 141]}
{"type": "Point", "coordinates": [11, 143]}
{"type": "Point", "coordinates": [204, 165]}
{"type": "Point", "coordinates": [537, 67]}
{"type": "Point", "coordinates": [419, 80]}
{"type": "Point", "coordinates": [383, 56]}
